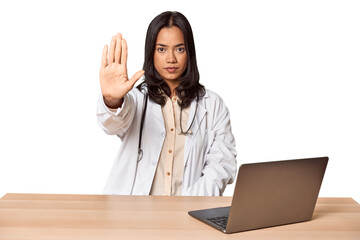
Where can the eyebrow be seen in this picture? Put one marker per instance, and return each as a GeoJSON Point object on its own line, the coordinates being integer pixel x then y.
{"type": "Point", "coordinates": [163, 45]}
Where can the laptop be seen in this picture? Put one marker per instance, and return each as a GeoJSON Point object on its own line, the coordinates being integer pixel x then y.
{"type": "Point", "coordinates": [269, 194]}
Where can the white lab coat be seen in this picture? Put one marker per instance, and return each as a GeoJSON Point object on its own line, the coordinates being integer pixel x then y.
{"type": "Point", "coordinates": [209, 154]}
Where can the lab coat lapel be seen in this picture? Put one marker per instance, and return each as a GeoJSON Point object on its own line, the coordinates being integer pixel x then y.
{"type": "Point", "coordinates": [200, 113]}
{"type": "Point", "coordinates": [155, 110]}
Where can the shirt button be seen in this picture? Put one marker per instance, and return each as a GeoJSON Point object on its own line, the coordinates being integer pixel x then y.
{"type": "Point", "coordinates": [168, 174]}
{"type": "Point", "coordinates": [171, 129]}
{"type": "Point", "coordinates": [170, 151]}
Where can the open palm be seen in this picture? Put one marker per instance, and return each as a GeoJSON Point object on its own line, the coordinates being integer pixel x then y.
{"type": "Point", "coordinates": [114, 80]}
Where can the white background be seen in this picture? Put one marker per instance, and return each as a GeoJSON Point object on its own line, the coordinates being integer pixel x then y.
{"type": "Point", "coordinates": [287, 70]}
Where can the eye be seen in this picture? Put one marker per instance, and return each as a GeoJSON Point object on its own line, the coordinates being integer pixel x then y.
{"type": "Point", "coordinates": [161, 50]}
{"type": "Point", "coordinates": [180, 49]}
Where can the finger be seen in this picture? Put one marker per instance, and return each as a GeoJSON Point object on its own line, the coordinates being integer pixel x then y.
{"type": "Point", "coordinates": [118, 48]}
{"type": "Point", "coordinates": [124, 52]}
{"type": "Point", "coordinates": [104, 61]}
{"type": "Point", "coordinates": [112, 50]}
{"type": "Point", "coordinates": [136, 77]}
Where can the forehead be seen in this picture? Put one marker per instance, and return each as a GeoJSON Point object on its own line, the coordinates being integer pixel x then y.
{"type": "Point", "coordinates": [170, 36]}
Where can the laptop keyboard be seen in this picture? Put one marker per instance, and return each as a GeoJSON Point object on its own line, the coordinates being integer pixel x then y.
{"type": "Point", "coordinates": [220, 221]}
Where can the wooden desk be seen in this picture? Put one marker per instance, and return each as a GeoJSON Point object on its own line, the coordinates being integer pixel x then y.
{"type": "Point", "coordinates": [48, 216]}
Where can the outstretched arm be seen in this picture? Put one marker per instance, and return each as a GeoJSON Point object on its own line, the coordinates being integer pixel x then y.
{"type": "Point", "coordinates": [116, 106]}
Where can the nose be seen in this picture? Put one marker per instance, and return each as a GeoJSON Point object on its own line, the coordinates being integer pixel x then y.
{"type": "Point", "coordinates": [171, 58]}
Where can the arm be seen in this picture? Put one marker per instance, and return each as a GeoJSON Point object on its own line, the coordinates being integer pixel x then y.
{"type": "Point", "coordinates": [115, 88]}
{"type": "Point", "coordinates": [116, 121]}
{"type": "Point", "coordinates": [220, 157]}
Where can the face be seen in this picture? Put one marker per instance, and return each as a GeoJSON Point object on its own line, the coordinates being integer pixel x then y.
{"type": "Point", "coordinates": [170, 57]}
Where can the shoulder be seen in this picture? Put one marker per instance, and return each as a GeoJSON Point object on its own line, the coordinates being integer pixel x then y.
{"type": "Point", "coordinates": [213, 102]}
{"type": "Point", "coordinates": [137, 93]}
{"type": "Point", "coordinates": [212, 97]}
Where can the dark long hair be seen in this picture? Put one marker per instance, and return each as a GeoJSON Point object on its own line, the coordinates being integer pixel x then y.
{"type": "Point", "coordinates": [189, 88]}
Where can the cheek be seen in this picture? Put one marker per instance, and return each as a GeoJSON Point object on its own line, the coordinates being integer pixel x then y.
{"type": "Point", "coordinates": [184, 62]}
{"type": "Point", "coordinates": [157, 62]}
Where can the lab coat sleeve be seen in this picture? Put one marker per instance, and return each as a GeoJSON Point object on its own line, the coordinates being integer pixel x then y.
{"type": "Point", "coordinates": [220, 159]}
{"type": "Point", "coordinates": [116, 121]}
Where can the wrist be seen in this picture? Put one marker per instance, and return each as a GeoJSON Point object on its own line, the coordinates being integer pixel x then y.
{"type": "Point", "coordinates": [113, 103]}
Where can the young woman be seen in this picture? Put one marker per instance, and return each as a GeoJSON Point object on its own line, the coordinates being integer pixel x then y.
{"type": "Point", "coordinates": [176, 135]}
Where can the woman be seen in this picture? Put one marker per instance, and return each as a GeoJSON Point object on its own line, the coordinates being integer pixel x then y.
{"type": "Point", "coordinates": [186, 143]}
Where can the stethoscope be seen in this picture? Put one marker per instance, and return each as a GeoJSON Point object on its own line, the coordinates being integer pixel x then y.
{"type": "Point", "coordinates": [140, 151]}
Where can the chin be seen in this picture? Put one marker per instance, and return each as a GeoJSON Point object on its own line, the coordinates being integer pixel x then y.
{"type": "Point", "coordinates": [170, 77]}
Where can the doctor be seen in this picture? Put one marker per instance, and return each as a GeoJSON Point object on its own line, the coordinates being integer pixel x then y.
{"type": "Point", "coordinates": [176, 135]}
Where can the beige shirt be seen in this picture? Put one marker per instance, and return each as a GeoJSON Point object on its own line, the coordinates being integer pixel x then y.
{"type": "Point", "coordinates": [170, 168]}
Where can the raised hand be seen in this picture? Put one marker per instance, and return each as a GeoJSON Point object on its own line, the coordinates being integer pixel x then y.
{"type": "Point", "coordinates": [114, 80]}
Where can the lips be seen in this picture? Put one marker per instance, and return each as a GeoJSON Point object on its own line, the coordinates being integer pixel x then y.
{"type": "Point", "coordinates": [171, 69]}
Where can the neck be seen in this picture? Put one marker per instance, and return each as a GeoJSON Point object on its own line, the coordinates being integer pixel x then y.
{"type": "Point", "coordinates": [172, 85]}
{"type": "Point", "coordinates": [173, 93]}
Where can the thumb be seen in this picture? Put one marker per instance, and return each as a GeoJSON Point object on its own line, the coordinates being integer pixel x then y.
{"type": "Point", "coordinates": [136, 76]}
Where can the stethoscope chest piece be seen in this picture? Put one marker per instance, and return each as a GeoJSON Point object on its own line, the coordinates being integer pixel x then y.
{"type": "Point", "coordinates": [140, 154]}
{"type": "Point", "coordinates": [140, 151]}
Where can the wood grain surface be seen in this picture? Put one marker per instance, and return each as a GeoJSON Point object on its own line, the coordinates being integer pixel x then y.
{"type": "Point", "coordinates": [62, 216]}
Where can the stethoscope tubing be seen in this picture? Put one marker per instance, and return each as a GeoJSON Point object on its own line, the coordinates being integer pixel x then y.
{"type": "Point", "coordinates": [140, 151]}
